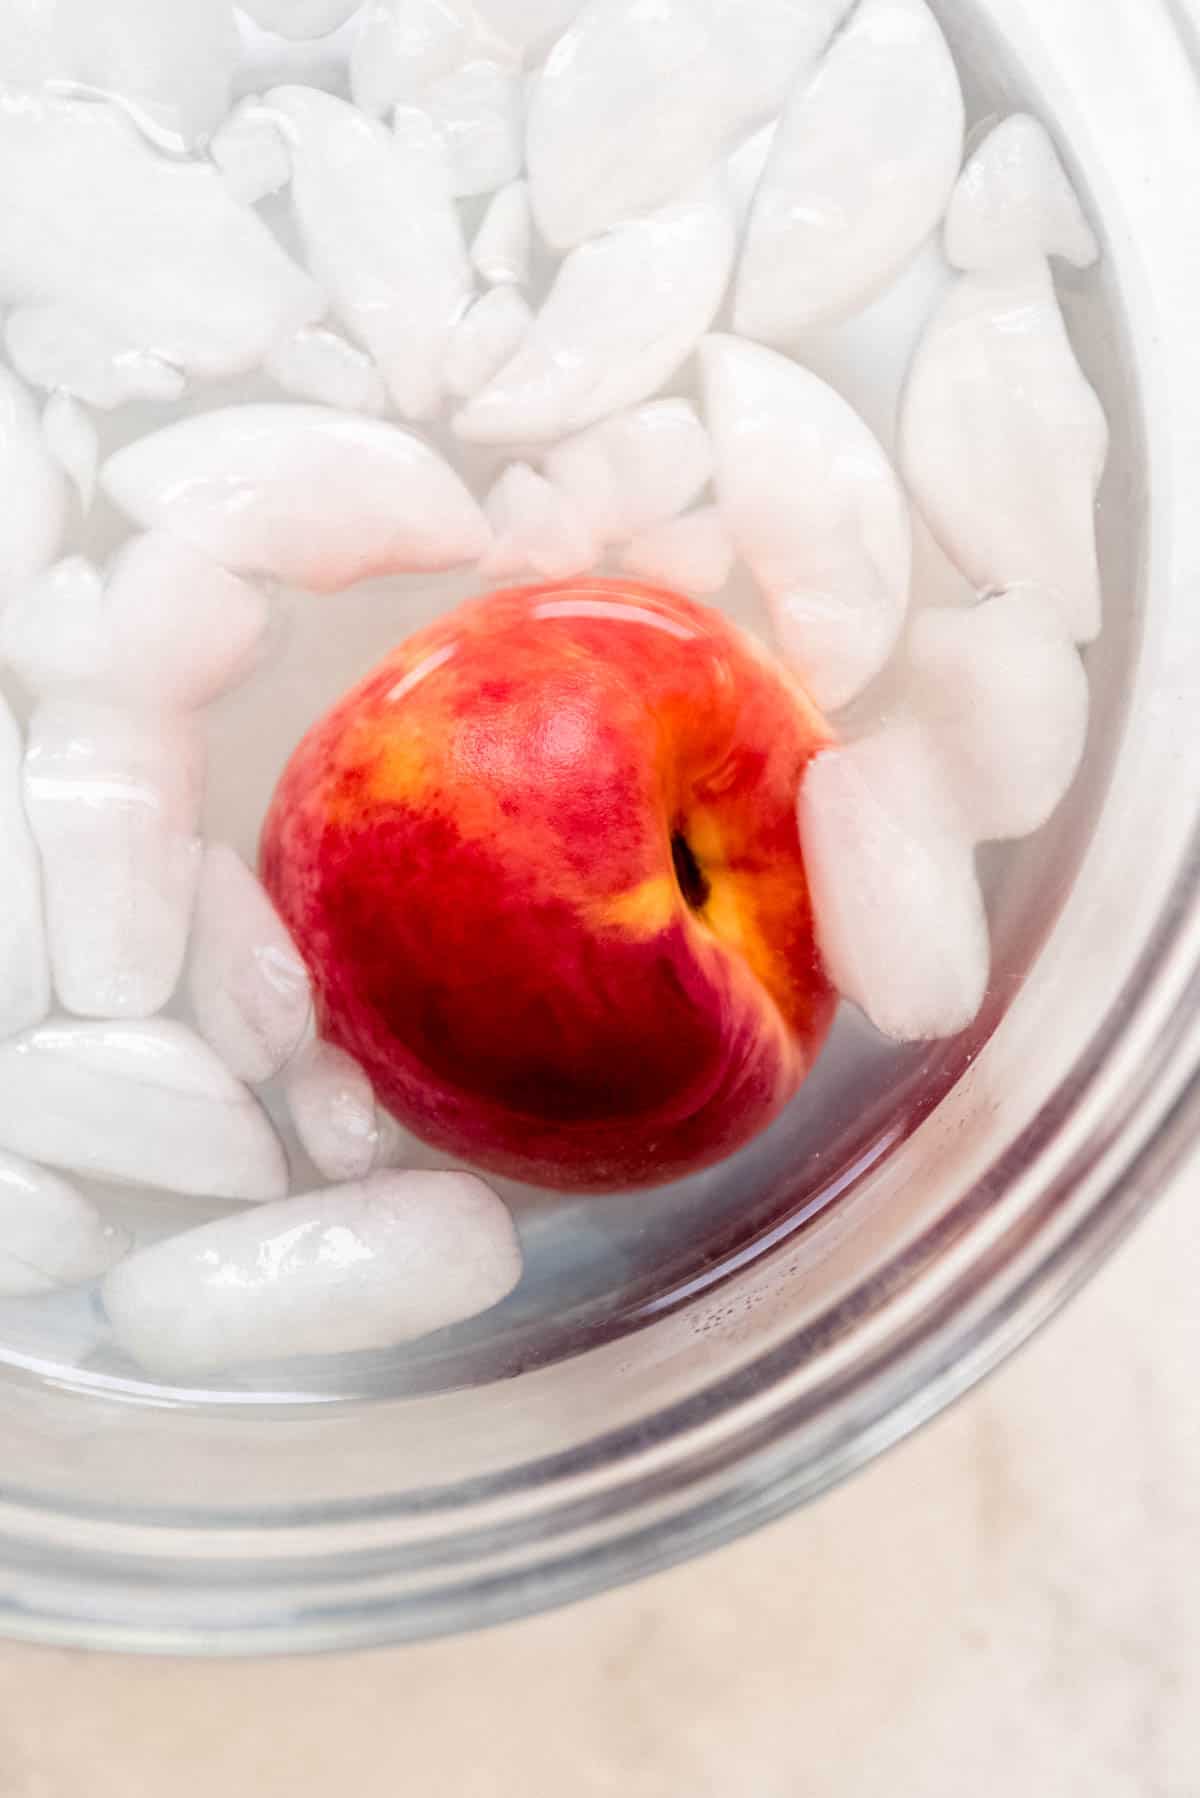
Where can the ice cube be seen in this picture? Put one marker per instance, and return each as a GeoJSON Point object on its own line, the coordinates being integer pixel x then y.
{"type": "Point", "coordinates": [366, 1266]}
{"type": "Point", "coordinates": [376, 214]}
{"type": "Point", "coordinates": [891, 869]}
{"type": "Point", "coordinates": [144, 1103]}
{"type": "Point", "coordinates": [26, 43]}
{"type": "Point", "coordinates": [181, 629]}
{"type": "Point", "coordinates": [1014, 202]}
{"type": "Point", "coordinates": [403, 45]}
{"type": "Point", "coordinates": [268, 58]}
{"type": "Point", "coordinates": [485, 339]}
{"type": "Point", "coordinates": [113, 801]}
{"type": "Point", "coordinates": [636, 102]}
{"type": "Point", "coordinates": [745, 169]}
{"type": "Point", "coordinates": [528, 27]}
{"type": "Point", "coordinates": [168, 67]}
{"type": "Point", "coordinates": [35, 493]}
{"type": "Point", "coordinates": [866, 357]}
{"type": "Point", "coordinates": [155, 253]}
{"type": "Point", "coordinates": [50, 1235]}
{"type": "Point", "coordinates": [24, 967]}
{"type": "Point", "coordinates": [300, 19]}
{"type": "Point", "coordinates": [582, 468]}
{"type": "Point", "coordinates": [814, 506]}
{"type": "Point", "coordinates": [332, 1106]}
{"type": "Point", "coordinates": [234, 482]}
{"type": "Point", "coordinates": [52, 632]}
{"type": "Point", "coordinates": [1003, 695]}
{"type": "Point", "coordinates": [1003, 442]}
{"type": "Point", "coordinates": [859, 174]}
{"type": "Point", "coordinates": [53, 1330]}
{"type": "Point", "coordinates": [70, 436]}
{"type": "Point", "coordinates": [54, 347]}
{"type": "Point", "coordinates": [536, 529]}
{"type": "Point", "coordinates": [169, 631]}
{"type": "Point", "coordinates": [477, 110]}
{"type": "Point", "coordinates": [634, 470]}
{"type": "Point", "coordinates": [316, 364]}
{"type": "Point", "coordinates": [252, 153]}
{"type": "Point", "coordinates": [171, 64]}
{"type": "Point", "coordinates": [439, 57]}
{"type": "Point", "coordinates": [693, 554]}
{"type": "Point", "coordinates": [624, 313]}
{"type": "Point", "coordinates": [503, 246]}
{"type": "Point", "coordinates": [247, 982]}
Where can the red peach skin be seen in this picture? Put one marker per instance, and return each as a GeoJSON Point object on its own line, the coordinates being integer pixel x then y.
{"type": "Point", "coordinates": [545, 870]}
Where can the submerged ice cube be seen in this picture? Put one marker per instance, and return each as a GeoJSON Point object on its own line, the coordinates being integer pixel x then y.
{"type": "Point", "coordinates": [814, 506]}
{"type": "Point", "coordinates": [166, 631]}
{"type": "Point", "coordinates": [252, 153]}
{"type": "Point", "coordinates": [35, 493]}
{"type": "Point", "coordinates": [537, 530]}
{"type": "Point", "coordinates": [113, 801]}
{"type": "Point", "coordinates": [859, 174]}
{"type": "Point", "coordinates": [1003, 695]}
{"type": "Point", "coordinates": [301, 19]}
{"type": "Point", "coordinates": [332, 1107]}
{"type": "Point", "coordinates": [269, 57]}
{"type": "Point", "coordinates": [485, 338]}
{"type": "Point", "coordinates": [154, 253]}
{"type": "Point", "coordinates": [634, 470]}
{"type": "Point", "coordinates": [170, 61]}
{"type": "Point", "coordinates": [24, 963]}
{"type": "Point", "coordinates": [375, 211]}
{"type": "Point", "coordinates": [50, 1235]}
{"type": "Point", "coordinates": [364, 1266]}
{"type": "Point", "coordinates": [402, 45]}
{"type": "Point", "coordinates": [477, 111]}
{"type": "Point", "coordinates": [624, 312]}
{"type": "Point", "coordinates": [527, 27]}
{"type": "Point", "coordinates": [636, 102]}
{"type": "Point", "coordinates": [503, 246]}
{"type": "Point", "coordinates": [55, 347]}
{"type": "Point", "coordinates": [233, 483]}
{"type": "Point", "coordinates": [146, 1104]}
{"type": "Point", "coordinates": [900, 917]}
{"type": "Point", "coordinates": [1003, 441]}
{"type": "Point", "coordinates": [248, 986]}
{"type": "Point", "coordinates": [70, 436]}
{"type": "Point", "coordinates": [866, 357]}
{"type": "Point", "coordinates": [316, 364]}
{"type": "Point", "coordinates": [1014, 202]}
{"type": "Point", "coordinates": [693, 554]}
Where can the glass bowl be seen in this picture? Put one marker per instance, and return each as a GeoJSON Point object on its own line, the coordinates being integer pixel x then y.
{"type": "Point", "coordinates": [748, 1365]}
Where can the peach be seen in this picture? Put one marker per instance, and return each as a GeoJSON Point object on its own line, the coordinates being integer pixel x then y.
{"type": "Point", "coordinates": [544, 867]}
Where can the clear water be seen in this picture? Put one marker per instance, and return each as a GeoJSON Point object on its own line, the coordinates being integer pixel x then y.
{"type": "Point", "coordinates": [596, 1267]}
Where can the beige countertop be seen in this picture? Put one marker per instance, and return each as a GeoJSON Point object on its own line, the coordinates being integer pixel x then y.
{"type": "Point", "coordinates": [1009, 1604]}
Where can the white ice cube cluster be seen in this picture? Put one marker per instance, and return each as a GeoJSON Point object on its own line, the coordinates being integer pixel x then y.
{"type": "Point", "coordinates": [698, 290]}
